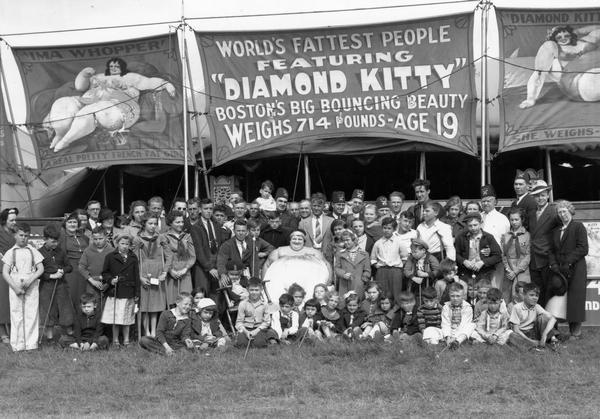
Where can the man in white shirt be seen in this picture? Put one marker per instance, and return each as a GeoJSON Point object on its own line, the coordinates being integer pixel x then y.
{"type": "Point", "coordinates": [436, 234]}
{"type": "Point", "coordinates": [494, 222]}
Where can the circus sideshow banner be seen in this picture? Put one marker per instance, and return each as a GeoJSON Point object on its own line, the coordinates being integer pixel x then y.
{"type": "Point", "coordinates": [398, 81]}
{"type": "Point", "coordinates": [7, 141]}
{"type": "Point", "coordinates": [551, 84]}
{"type": "Point", "coordinates": [113, 103]}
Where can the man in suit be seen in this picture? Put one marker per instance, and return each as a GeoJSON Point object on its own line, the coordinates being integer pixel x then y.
{"type": "Point", "coordinates": [339, 211]}
{"type": "Point", "coordinates": [236, 250]}
{"type": "Point", "coordinates": [541, 224]}
{"type": "Point", "coordinates": [422, 191]}
{"type": "Point", "coordinates": [287, 219]}
{"type": "Point", "coordinates": [318, 226]}
{"type": "Point", "coordinates": [524, 199]}
{"type": "Point", "coordinates": [207, 237]}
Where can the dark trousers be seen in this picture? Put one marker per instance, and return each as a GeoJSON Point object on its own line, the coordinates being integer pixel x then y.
{"type": "Point", "coordinates": [261, 340]}
{"type": "Point", "coordinates": [61, 310]}
{"type": "Point", "coordinates": [541, 277]}
{"type": "Point", "coordinates": [391, 280]}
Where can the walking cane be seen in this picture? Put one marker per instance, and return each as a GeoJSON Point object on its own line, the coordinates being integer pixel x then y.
{"type": "Point", "coordinates": [48, 312]}
{"type": "Point", "coordinates": [248, 347]}
{"type": "Point", "coordinates": [303, 337]}
{"type": "Point", "coordinates": [23, 314]}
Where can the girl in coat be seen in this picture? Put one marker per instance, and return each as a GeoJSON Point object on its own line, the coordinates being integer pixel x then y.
{"type": "Point", "coordinates": [122, 273]}
{"type": "Point", "coordinates": [352, 266]}
{"type": "Point", "coordinates": [179, 278]}
{"type": "Point", "coordinates": [73, 242]}
{"type": "Point", "coordinates": [151, 249]}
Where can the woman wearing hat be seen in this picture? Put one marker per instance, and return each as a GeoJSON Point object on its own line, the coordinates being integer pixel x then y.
{"type": "Point", "coordinates": [567, 257]}
{"type": "Point", "coordinates": [73, 243]}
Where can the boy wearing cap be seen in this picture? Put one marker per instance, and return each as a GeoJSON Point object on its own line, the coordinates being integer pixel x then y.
{"type": "Point", "coordinates": [541, 225]}
{"type": "Point", "coordinates": [420, 269]}
{"type": "Point", "coordinates": [207, 330]}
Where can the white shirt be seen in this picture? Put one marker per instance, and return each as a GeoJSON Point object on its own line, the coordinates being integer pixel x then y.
{"type": "Point", "coordinates": [431, 236]}
{"type": "Point", "coordinates": [495, 223]}
{"type": "Point", "coordinates": [405, 240]}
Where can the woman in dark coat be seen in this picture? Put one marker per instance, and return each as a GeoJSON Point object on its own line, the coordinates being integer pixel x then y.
{"type": "Point", "coordinates": [569, 248]}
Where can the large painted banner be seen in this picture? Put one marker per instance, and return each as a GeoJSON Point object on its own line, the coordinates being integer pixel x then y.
{"type": "Point", "coordinates": [551, 68]}
{"type": "Point", "coordinates": [406, 80]}
{"type": "Point", "coordinates": [114, 103]}
{"type": "Point", "coordinates": [7, 141]}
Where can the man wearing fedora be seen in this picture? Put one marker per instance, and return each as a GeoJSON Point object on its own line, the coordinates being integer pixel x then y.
{"type": "Point", "coordinates": [541, 225]}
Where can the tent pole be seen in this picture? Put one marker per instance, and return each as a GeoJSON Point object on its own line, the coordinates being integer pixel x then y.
{"type": "Point", "coordinates": [306, 178]}
{"type": "Point", "coordinates": [549, 173]}
{"type": "Point", "coordinates": [104, 194]}
{"type": "Point", "coordinates": [483, 93]}
{"type": "Point", "coordinates": [185, 116]}
{"type": "Point", "coordinates": [202, 159]}
{"type": "Point", "coordinates": [13, 127]}
{"type": "Point", "coordinates": [422, 166]}
{"type": "Point", "coordinates": [122, 191]}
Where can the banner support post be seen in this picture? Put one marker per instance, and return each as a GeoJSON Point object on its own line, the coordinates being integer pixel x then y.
{"type": "Point", "coordinates": [122, 191]}
{"type": "Point", "coordinates": [549, 171]}
{"type": "Point", "coordinates": [185, 114]}
{"type": "Point", "coordinates": [306, 178]}
{"type": "Point", "coordinates": [15, 136]}
{"type": "Point", "coordinates": [202, 159]}
{"type": "Point", "coordinates": [422, 166]}
{"type": "Point", "coordinates": [483, 93]}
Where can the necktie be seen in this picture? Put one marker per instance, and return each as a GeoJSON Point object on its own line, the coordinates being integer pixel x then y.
{"type": "Point", "coordinates": [317, 230]}
{"type": "Point", "coordinates": [211, 237]}
{"type": "Point", "coordinates": [514, 238]}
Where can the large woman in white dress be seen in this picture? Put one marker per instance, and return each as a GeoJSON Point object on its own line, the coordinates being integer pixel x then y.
{"type": "Point", "coordinates": [110, 100]}
{"type": "Point", "coordinates": [295, 263]}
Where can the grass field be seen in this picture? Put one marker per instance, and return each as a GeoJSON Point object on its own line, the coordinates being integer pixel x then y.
{"type": "Point", "coordinates": [360, 380]}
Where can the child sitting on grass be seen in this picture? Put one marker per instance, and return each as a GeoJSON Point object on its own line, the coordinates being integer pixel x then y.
{"type": "Point", "coordinates": [481, 302]}
{"type": "Point", "coordinates": [207, 330]}
{"type": "Point", "coordinates": [492, 325]}
{"type": "Point", "coordinates": [351, 317]}
{"type": "Point", "coordinates": [457, 320]}
{"type": "Point", "coordinates": [174, 329]}
{"type": "Point", "coordinates": [330, 314]}
{"type": "Point", "coordinates": [448, 271]}
{"type": "Point", "coordinates": [88, 333]}
{"type": "Point", "coordinates": [55, 301]}
{"type": "Point", "coordinates": [517, 296]}
{"type": "Point", "coordinates": [22, 268]}
{"type": "Point", "coordinates": [532, 326]}
{"type": "Point", "coordinates": [285, 321]}
{"type": "Point", "coordinates": [253, 320]}
{"type": "Point", "coordinates": [405, 323]}
{"type": "Point", "coordinates": [121, 272]}
{"type": "Point", "coordinates": [309, 321]}
{"type": "Point", "coordinates": [383, 327]}
{"type": "Point", "coordinates": [429, 316]}
{"type": "Point", "coordinates": [320, 294]}
{"type": "Point", "coordinates": [298, 293]}
{"type": "Point", "coordinates": [370, 306]}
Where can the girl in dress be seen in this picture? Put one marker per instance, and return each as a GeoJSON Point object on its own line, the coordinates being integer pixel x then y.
{"type": "Point", "coordinates": [516, 252]}
{"type": "Point", "coordinates": [137, 211]}
{"type": "Point", "coordinates": [151, 249]}
{"type": "Point", "coordinates": [121, 272]}
{"type": "Point", "coordinates": [180, 245]}
{"type": "Point", "coordinates": [73, 242]}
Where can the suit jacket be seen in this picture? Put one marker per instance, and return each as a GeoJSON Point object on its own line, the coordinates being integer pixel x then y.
{"type": "Point", "coordinates": [229, 252]}
{"type": "Point", "coordinates": [306, 225]}
{"type": "Point", "coordinates": [205, 257]}
{"type": "Point", "coordinates": [277, 238]}
{"type": "Point", "coordinates": [528, 205]}
{"type": "Point", "coordinates": [489, 262]}
{"type": "Point", "coordinates": [541, 236]}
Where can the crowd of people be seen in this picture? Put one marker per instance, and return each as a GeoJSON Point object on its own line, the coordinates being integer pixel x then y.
{"type": "Point", "coordinates": [192, 276]}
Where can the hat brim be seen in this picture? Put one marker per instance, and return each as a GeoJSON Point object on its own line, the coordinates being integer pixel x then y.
{"type": "Point", "coordinates": [538, 191]}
